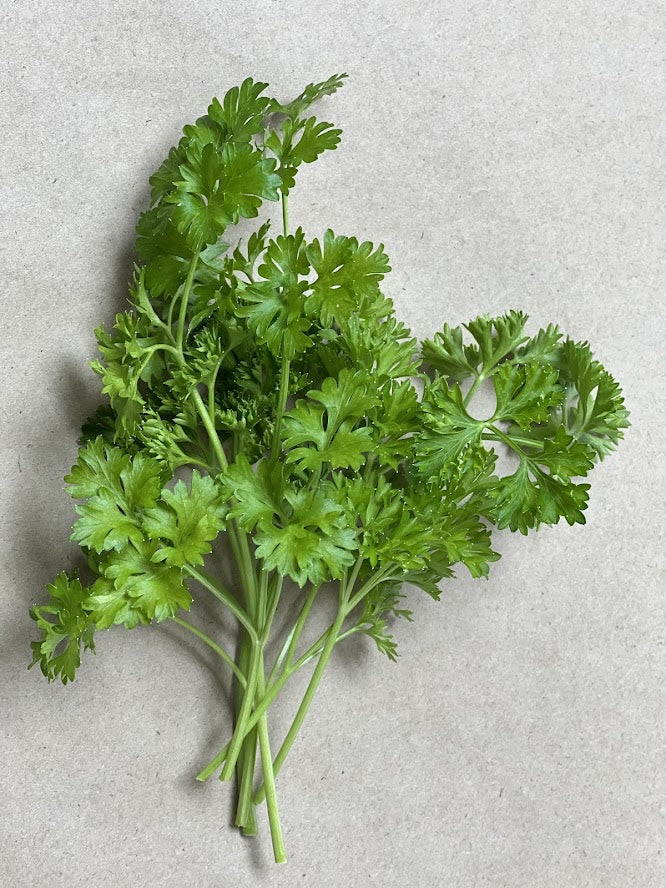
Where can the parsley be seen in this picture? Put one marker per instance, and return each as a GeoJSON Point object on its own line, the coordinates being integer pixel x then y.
{"type": "Point", "coordinates": [267, 394]}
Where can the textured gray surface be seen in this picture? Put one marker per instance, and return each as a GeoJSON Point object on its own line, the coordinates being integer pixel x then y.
{"type": "Point", "coordinates": [509, 155]}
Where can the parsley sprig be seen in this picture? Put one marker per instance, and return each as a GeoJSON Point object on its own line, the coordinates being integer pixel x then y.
{"type": "Point", "coordinates": [267, 396]}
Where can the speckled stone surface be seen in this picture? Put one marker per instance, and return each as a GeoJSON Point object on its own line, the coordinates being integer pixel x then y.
{"type": "Point", "coordinates": [508, 155]}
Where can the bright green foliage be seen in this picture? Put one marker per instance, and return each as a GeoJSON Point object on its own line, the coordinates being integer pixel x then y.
{"type": "Point", "coordinates": [313, 543]}
{"type": "Point", "coordinates": [117, 489]}
{"type": "Point", "coordinates": [264, 402]}
{"type": "Point", "coordinates": [324, 432]}
{"type": "Point", "coordinates": [217, 189]}
{"type": "Point", "coordinates": [186, 521]}
{"type": "Point", "coordinates": [64, 627]}
{"type": "Point", "coordinates": [134, 588]}
{"type": "Point", "coordinates": [346, 273]}
{"type": "Point", "coordinates": [556, 410]}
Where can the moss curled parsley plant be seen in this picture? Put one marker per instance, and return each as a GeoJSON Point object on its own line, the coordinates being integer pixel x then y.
{"type": "Point", "coordinates": [264, 395]}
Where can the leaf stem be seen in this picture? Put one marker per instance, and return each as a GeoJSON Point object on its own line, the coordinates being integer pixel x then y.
{"type": "Point", "coordinates": [374, 580]}
{"type": "Point", "coordinates": [269, 777]}
{"type": "Point", "coordinates": [527, 442]}
{"type": "Point", "coordinates": [185, 299]}
{"type": "Point", "coordinates": [282, 403]}
{"type": "Point", "coordinates": [210, 429]}
{"type": "Point", "coordinates": [229, 660]}
{"type": "Point", "coordinates": [305, 703]}
{"type": "Point", "coordinates": [285, 215]}
{"type": "Point", "coordinates": [287, 652]}
{"type": "Point", "coordinates": [224, 596]}
{"type": "Point", "coordinates": [508, 441]}
{"type": "Point", "coordinates": [470, 394]}
{"type": "Point", "coordinates": [246, 817]}
{"type": "Point", "coordinates": [241, 728]}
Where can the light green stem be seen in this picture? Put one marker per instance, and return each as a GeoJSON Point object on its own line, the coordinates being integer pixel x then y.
{"type": "Point", "coordinates": [305, 703]}
{"type": "Point", "coordinates": [269, 778]}
{"type": "Point", "coordinates": [185, 299]}
{"type": "Point", "coordinates": [470, 394]}
{"type": "Point", "coordinates": [245, 814]}
{"type": "Point", "coordinates": [374, 580]}
{"type": "Point", "coordinates": [242, 727]}
{"type": "Point", "coordinates": [291, 641]}
{"type": "Point", "coordinates": [224, 596]}
{"type": "Point", "coordinates": [282, 403]}
{"type": "Point", "coordinates": [211, 644]}
{"type": "Point", "coordinates": [285, 216]}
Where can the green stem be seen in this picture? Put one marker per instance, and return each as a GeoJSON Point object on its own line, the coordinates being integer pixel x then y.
{"type": "Point", "coordinates": [282, 403]}
{"type": "Point", "coordinates": [210, 429]}
{"type": "Point", "coordinates": [354, 575]}
{"type": "Point", "coordinates": [241, 728]}
{"type": "Point", "coordinates": [224, 596]}
{"type": "Point", "coordinates": [211, 644]}
{"type": "Point", "coordinates": [508, 441]}
{"type": "Point", "coordinates": [245, 814]}
{"type": "Point", "coordinates": [269, 777]}
{"type": "Point", "coordinates": [245, 564]}
{"type": "Point", "coordinates": [517, 439]}
{"type": "Point", "coordinates": [305, 703]}
{"type": "Point", "coordinates": [470, 394]}
{"type": "Point", "coordinates": [285, 216]}
{"type": "Point", "coordinates": [262, 599]}
{"type": "Point", "coordinates": [185, 299]}
{"type": "Point", "coordinates": [238, 537]}
{"type": "Point", "coordinates": [291, 641]}
{"type": "Point", "coordinates": [374, 580]}
{"type": "Point", "coordinates": [246, 817]}
{"type": "Point", "coordinates": [273, 593]}
{"type": "Point", "coordinates": [262, 707]}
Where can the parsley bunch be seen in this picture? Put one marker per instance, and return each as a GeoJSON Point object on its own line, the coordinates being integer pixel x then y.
{"type": "Point", "coordinates": [267, 395]}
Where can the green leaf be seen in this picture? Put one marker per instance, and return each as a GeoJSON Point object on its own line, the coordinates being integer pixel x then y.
{"type": "Point", "coordinates": [380, 607]}
{"type": "Point", "coordinates": [594, 411]}
{"type": "Point", "coordinates": [497, 338]}
{"type": "Point", "coordinates": [312, 93]}
{"type": "Point", "coordinates": [314, 544]}
{"type": "Point", "coordinates": [255, 497]}
{"type": "Point", "coordinates": [98, 466]}
{"type": "Point", "coordinates": [112, 606]}
{"type": "Point", "coordinates": [344, 448]}
{"type": "Point", "coordinates": [275, 309]}
{"type": "Point", "coordinates": [526, 392]}
{"type": "Point", "coordinates": [346, 271]}
{"type": "Point", "coordinates": [543, 347]}
{"type": "Point", "coordinates": [118, 487]}
{"type": "Point", "coordinates": [185, 521]}
{"type": "Point", "coordinates": [301, 141]}
{"type": "Point", "coordinates": [218, 188]}
{"type": "Point", "coordinates": [150, 590]}
{"type": "Point", "coordinates": [448, 354]}
{"type": "Point", "coordinates": [448, 430]}
{"type": "Point", "coordinates": [530, 497]}
{"type": "Point", "coordinates": [103, 525]}
{"type": "Point", "coordinates": [323, 432]}
{"type": "Point", "coordinates": [165, 252]}
{"type": "Point", "coordinates": [242, 110]}
{"type": "Point", "coordinates": [65, 627]}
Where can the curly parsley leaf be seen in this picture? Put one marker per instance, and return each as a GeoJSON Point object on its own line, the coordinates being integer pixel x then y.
{"type": "Point", "coordinates": [346, 272]}
{"type": "Point", "coordinates": [217, 189]}
{"type": "Point", "coordinates": [311, 94]}
{"type": "Point", "coordinates": [65, 627]}
{"type": "Point", "coordinates": [312, 543]}
{"type": "Point", "coordinates": [186, 521]}
{"type": "Point", "coordinates": [117, 489]}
